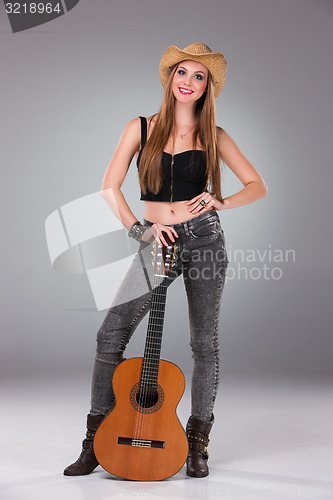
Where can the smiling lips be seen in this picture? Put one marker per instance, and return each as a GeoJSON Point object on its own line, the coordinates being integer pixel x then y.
{"type": "Point", "coordinates": [184, 91]}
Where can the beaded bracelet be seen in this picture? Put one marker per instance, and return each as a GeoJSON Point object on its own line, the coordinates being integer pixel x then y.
{"type": "Point", "coordinates": [136, 231]}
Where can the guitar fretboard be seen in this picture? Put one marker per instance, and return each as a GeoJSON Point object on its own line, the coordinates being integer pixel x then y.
{"type": "Point", "coordinates": [153, 344]}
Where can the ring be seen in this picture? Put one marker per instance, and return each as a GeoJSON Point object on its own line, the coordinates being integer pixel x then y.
{"type": "Point", "coordinates": [203, 203]}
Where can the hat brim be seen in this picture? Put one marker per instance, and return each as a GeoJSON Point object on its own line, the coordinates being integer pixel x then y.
{"type": "Point", "coordinates": [214, 61]}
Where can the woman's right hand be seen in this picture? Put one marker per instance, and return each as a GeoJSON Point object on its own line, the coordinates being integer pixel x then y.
{"type": "Point", "coordinates": [156, 232]}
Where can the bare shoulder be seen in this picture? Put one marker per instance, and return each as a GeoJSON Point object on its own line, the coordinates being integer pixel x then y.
{"type": "Point", "coordinates": [225, 142]}
{"type": "Point", "coordinates": [133, 126]}
{"type": "Point", "coordinates": [131, 135]}
{"type": "Point", "coordinates": [234, 158]}
{"type": "Point", "coordinates": [222, 135]}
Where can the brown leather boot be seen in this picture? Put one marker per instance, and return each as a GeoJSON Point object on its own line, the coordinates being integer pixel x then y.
{"type": "Point", "coordinates": [197, 436]}
{"type": "Point", "coordinates": [87, 461]}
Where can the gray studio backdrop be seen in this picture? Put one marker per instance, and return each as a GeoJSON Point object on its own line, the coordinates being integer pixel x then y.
{"type": "Point", "coordinates": [68, 89]}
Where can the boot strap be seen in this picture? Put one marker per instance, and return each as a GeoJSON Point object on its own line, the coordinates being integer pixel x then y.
{"type": "Point", "coordinates": [193, 438]}
{"type": "Point", "coordinates": [196, 443]}
{"type": "Point", "coordinates": [200, 447]}
{"type": "Point", "coordinates": [87, 445]}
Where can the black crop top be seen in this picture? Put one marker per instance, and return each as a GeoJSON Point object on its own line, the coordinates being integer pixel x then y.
{"type": "Point", "coordinates": [184, 174]}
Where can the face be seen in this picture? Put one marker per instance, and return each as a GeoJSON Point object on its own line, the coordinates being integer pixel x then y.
{"type": "Point", "coordinates": [189, 81]}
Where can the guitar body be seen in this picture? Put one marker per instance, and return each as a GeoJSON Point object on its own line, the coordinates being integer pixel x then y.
{"type": "Point", "coordinates": [142, 439]}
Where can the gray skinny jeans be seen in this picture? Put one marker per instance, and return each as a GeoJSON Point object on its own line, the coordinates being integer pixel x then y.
{"type": "Point", "coordinates": [202, 260]}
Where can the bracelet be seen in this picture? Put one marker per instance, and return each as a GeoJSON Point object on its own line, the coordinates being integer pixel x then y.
{"type": "Point", "coordinates": [136, 231]}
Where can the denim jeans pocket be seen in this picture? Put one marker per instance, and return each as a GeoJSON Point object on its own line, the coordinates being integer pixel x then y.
{"type": "Point", "coordinates": [206, 229]}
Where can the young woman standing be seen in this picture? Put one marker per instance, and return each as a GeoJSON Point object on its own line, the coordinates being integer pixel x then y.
{"type": "Point", "coordinates": [178, 152]}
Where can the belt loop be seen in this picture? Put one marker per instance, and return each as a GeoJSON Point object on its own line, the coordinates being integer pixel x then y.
{"type": "Point", "coordinates": [185, 223]}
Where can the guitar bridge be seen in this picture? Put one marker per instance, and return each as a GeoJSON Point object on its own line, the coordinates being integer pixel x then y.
{"type": "Point", "coordinates": [141, 443]}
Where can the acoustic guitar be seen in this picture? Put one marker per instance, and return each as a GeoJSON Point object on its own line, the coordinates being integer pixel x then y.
{"type": "Point", "coordinates": [141, 438]}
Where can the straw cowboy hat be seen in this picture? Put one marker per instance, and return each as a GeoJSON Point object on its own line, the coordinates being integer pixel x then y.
{"type": "Point", "coordinates": [201, 53]}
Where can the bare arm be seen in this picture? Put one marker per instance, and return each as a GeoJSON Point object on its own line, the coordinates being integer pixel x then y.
{"type": "Point", "coordinates": [254, 185]}
{"type": "Point", "coordinates": [116, 172]}
{"type": "Point", "coordinates": [114, 177]}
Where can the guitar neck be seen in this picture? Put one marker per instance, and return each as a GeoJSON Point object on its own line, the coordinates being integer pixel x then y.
{"type": "Point", "coordinates": [153, 344]}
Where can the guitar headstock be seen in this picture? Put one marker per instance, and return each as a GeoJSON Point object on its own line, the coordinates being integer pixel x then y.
{"type": "Point", "coordinates": [163, 256]}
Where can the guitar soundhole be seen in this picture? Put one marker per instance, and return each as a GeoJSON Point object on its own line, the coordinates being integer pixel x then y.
{"type": "Point", "coordinates": [148, 399]}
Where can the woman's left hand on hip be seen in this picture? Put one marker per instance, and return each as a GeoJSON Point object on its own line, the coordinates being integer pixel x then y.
{"type": "Point", "coordinates": [204, 202]}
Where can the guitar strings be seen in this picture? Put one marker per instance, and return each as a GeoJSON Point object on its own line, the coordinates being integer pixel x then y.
{"type": "Point", "coordinates": [154, 346]}
{"type": "Point", "coordinates": [147, 389]}
{"type": "Point", "coordinates": [140, 396]}
{"type": "Point", "coordinates": [143, 386]}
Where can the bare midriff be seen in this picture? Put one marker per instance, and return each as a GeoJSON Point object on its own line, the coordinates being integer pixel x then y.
{"type": "Point", "coordinates": [167, 212]}
{"type": "Point", "coordinates": [170, 212]}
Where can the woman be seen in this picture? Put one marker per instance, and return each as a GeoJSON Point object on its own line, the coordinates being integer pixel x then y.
{"type": "Point", "coordinates": [178, 153]}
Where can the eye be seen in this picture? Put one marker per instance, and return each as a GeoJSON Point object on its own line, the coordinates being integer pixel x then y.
{"type": "Point", "coordinates": [200, 77]}
{"type": "Point", "coordinates": [180, 71]}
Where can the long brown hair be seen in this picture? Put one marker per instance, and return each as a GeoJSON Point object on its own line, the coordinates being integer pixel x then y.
{"type": "Point", "coordinates": [150, 171]}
